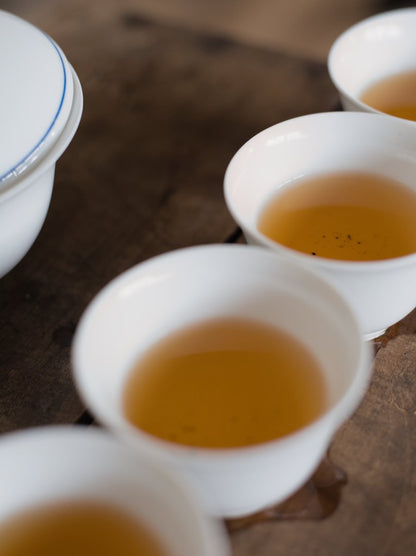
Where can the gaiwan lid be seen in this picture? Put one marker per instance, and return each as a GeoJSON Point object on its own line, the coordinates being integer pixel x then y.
{"type": "Point", "coordinates": [36, 91]}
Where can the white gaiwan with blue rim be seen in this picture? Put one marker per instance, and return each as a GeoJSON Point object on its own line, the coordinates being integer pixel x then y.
{"type": "Point", "coordinates": [40, 109]}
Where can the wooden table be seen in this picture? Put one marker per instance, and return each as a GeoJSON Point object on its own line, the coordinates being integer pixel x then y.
{"type": "Point", "coordinates": [165, 109]}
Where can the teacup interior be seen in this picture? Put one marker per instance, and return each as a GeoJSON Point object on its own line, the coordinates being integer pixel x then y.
{"type": "Point", "coordinates": [313, 145]}
{"type": "Point", "coordinates": [373, 49]}
{"type": "Point", "coordinates": [60, 465]}
{"type": "Point", "coordinates": [152, 300]}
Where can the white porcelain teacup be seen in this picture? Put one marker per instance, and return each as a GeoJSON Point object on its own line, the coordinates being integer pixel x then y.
{"type": "Point", "coordinates": [373, 49]}
{"type": "Point", "coordinates": [380, 292]}
{"type": "Point", "coordinates": [47, 467]}
{"type": "Point", "coordinates": [196, 284]}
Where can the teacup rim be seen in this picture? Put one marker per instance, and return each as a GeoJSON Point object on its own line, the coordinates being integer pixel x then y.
{"type": "Point", "coordinates": [330, 419]}
{"type": "Point", "coordinates": [210, 532]}
{"type": "Point", "coordinates": [374, 18]}
{"type": "Point", "coordinates": [351, 31]}
{"type": "Point", "coordinates": [345, 265]}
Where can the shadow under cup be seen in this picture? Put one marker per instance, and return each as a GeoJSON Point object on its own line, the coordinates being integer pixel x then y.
{"type": "Point", "coordinates": [192, 285]}
{"type": "Point", "coordinates": [380, 292]}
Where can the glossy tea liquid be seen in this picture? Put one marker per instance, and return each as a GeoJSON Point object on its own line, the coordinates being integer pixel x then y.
{"type": "Point", "coordinates": [394, 95]}
{"type": "Point", "coordinates": [225, 383]}
{"type": "Point", "coordinates": [348, 216]}
{"type": "Point", "coordinates": [76, 529]}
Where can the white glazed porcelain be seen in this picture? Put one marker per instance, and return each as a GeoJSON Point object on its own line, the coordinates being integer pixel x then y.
{"type": "Point", "coordinates": [198, 283]}
{"type": "Point", "coordinates": [36, 94]}
{"type": "Point", "coordinates": [380, 292]}
{"type": "Point", "coordinates": [59, 464]}
{"type": "Point", "coordinates": [24, 201]}
{"type": "Point", "coordinates": [375, 48]}
{"type": "Point", "coordinates": [40, 109]}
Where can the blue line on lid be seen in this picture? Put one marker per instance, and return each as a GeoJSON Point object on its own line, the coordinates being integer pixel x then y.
{"type": "Point", "coordinates": [15, 170]}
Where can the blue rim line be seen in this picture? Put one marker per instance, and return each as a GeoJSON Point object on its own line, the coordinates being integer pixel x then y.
{"type": "Point", "coordinates": [15, 170]}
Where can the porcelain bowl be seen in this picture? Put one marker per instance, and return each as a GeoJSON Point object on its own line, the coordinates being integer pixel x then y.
{"type": "Point", "coordinates": [380, 292]}
{"type": "Point", "coordinates": [24, 200]}
{"type": "Point", "coordinates": [373, 49]}
{"type": "Point", "coordinates": [64, 464]}
{"type": "Point", "coordinates": [195, 284]}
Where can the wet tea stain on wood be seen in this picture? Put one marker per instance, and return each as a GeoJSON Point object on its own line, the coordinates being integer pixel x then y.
{"type": "Point", "coordinates": [316, 500]}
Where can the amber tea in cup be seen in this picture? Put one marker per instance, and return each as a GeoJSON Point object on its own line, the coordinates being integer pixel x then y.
{"type": "Point", "coordinates": [275, 161]}
{"type": "Point", "coordinates": [372, 64]}
{"type": "Point", "coordinates": [76, 528]}
{"type": "Point", "coordinates": [352, 216]}
{"type": "Point", "coordinates": [196, 341]}
{"type": "Point", "coordinates": [225, 383]}
{"type": "Point", "coordinates": [394, 95]}
{"type": "Point", "coordinates": [78, 491]}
